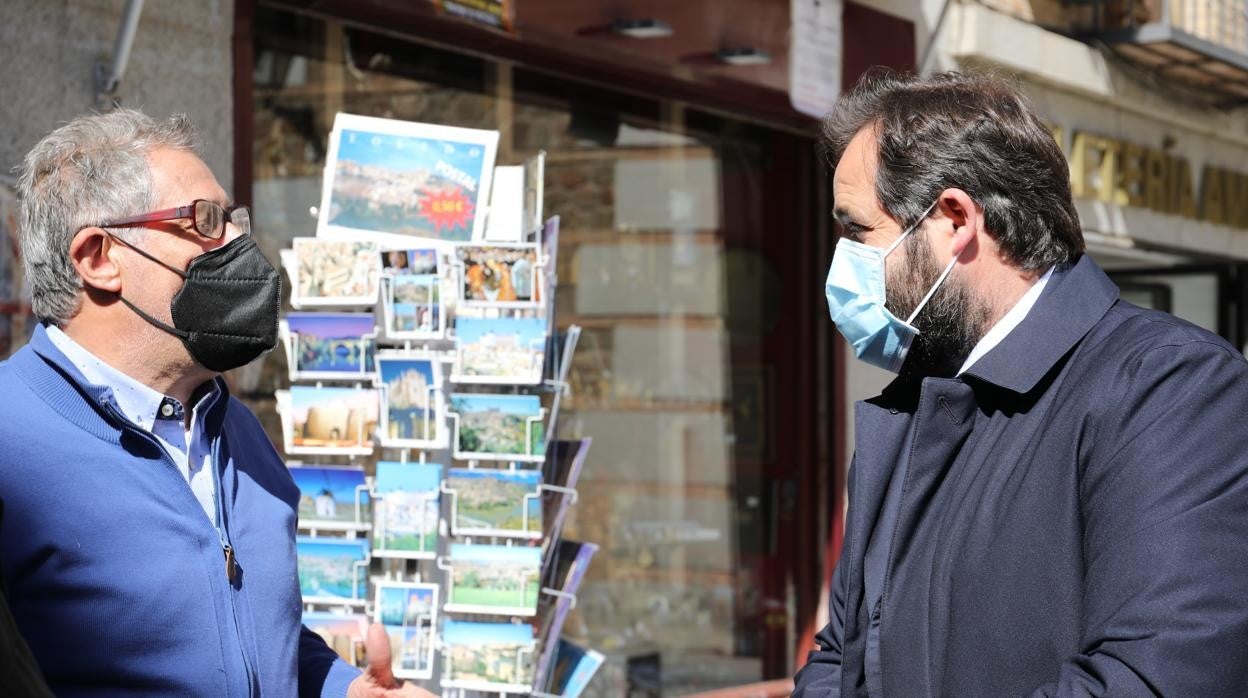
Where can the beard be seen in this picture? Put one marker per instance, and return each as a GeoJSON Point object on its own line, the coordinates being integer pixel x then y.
{"type": "Point", "coordinates": [951, 323]}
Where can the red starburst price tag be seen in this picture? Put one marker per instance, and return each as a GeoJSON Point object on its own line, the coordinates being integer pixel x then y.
{"type": "Point", "coordinates": [447, 210]}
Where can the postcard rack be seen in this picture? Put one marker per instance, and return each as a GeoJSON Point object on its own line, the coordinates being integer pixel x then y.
{"type": "Point", "coordinates": [426, 384]}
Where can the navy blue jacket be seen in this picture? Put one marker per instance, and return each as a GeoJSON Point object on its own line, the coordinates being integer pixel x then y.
{"type": "Point", "coordinates": [115, 575]}
{"type": "Point", "coordinates": [1073, 519]}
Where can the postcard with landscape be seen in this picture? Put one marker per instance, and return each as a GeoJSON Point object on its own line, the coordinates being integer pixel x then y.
{"type": "Point", "coordinates": [343, 632]}
{"type": "Point", "coordinates": [412, 416]}
{"type": "Point", "coordinates": [487, 656]}
{"type": "Point", "coordinates": [409, 613]}
{"type": "Point", "coordinates": [330, 346]}
{"type": "Point", "coordinates": [506, 350]}
{"type": "Point", "coordinates": [329, 419]}
{"type": "Point", "coordinates": [500, 579]}
{"type": "Point", "coordinates": [499, 275]}
{"type": "Point", "coordinates": [406, 512]}
{"type": "Point", "coordinates": [333, 570]}
{"type": "Point", "coordinates": [498, 427]}
{"type": "Point", "coordinates": [332, 498]}
{"type": "Point", "coordinates": [504, 503]}
{"type": "Point", "coordinates": [574, 667]}
{"type": "Point", "coordinates": [330, 272]}
{"type": "Point", "coordinates": [399, 180]}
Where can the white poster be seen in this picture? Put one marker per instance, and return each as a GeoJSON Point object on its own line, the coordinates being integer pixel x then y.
{"type": "Point", "coordinates": [815, 55]}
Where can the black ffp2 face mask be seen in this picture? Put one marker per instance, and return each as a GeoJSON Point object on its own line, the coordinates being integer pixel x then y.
{"type": "Point", "coordinates": [227, 310]}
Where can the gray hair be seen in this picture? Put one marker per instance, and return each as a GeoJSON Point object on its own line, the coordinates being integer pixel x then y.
{"type": "Point", "coordinates": [91, 170]}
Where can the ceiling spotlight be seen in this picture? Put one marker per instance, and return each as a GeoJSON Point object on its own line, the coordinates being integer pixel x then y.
{"type": "Point", "coordinates": [642, 28]}
{"type": "Point", "coordinates": [743, 56]}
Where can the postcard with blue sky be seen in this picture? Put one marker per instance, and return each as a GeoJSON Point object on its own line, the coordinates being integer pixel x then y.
{"type": "Point", "coordinates": [398, 179]}
{"type": "Point", "coordinates": [411, 415]}
{"type": "Point", "coordinates": [508, 350]}
{"type": "Point", "coordinates": [330, 570]}
{"type": "Point", "coordinates": [488, 656]}
{"type": "Point", "coordinates": [489, 502]}
{"type": "Point", "coordinates": [332, 498]}
{"type": "Point", "coordinates": [330, 345]}
{"type": "Point", "coordinates": [405, 516]}
{"type": "Point", "coordinates": [495, 579]}
{"type": "Point", "coordinates": [409, 612]}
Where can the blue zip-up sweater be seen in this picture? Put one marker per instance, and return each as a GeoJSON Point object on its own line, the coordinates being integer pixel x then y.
{"type": "Point", "coordinates": [116, 576]}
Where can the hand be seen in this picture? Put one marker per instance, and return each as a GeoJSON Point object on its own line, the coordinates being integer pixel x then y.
{"type": "Point", "coordinates": [378, 680]}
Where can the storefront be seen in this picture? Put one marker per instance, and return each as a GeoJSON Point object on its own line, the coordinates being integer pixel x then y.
{"type": "Point", "coordinates": [694, 243]}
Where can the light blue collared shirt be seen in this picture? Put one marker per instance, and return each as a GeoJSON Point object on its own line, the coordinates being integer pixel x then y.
{"type": "Point", "coordinates": [159, 415]}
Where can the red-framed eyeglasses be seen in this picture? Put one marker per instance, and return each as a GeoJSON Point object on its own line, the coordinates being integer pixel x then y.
{"type": "Point", "coordinates": [207, 218]}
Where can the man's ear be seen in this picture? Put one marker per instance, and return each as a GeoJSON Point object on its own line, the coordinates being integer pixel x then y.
{"type": "Point", "coordinates": [965, 215]}
{"type": "Point", "coordinates": [93, 252]}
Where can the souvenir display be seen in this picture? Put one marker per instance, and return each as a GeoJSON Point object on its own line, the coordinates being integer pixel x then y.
{"type": "Point", "coordinates": [407, 509]}
{"type": "Point", "coordinates": [332, 498]}
{"type": "Point", "coordinates": [502, 503]}
{"type": "Point", "coordinates": [409, 614]}
{"type": "Point", "coordinates": [431, 268]}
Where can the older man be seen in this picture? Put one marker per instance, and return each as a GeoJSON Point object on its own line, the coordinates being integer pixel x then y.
{"type": "Point", "coordinates": [1052, 498]}
{"type": "Point", "coordinates": [148, 545]}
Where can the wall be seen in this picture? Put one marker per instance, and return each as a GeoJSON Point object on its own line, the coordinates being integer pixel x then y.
{"type": "Point", "coordinates": [181, 61]}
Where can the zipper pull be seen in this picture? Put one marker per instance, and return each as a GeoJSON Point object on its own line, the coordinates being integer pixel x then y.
{"type": "Point", "coordinates": [231, 565]}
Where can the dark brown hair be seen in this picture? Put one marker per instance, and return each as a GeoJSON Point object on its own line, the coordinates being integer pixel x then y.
{"type": "Point", "coordinates": [973, 132]}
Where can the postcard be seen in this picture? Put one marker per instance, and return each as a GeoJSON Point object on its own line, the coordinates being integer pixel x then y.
{"type": "Point", "coordinates": [409, 613]}
{"type": "Point", "coordinates": [574, 667]}
{"type": "Point", "coordinates": [329, 346]}
{"type": "Point", "coordinates": [487, 656]}
{"type": "Point", "coordinates": [343, 632]}
{"type": "Point", "coordinates": [416, 262]}
{"type": "Point", "coordinates": [332, 498]}
{"type": "Point", "coordinates": [328, 419]}
{"type": "Point", "coordinates": [412, 306]}
{"type": "Point", "coordinates": [411, 414]}
{"type": "Point", "coordinates": [333, 570]}
{"type": "Point", "coordinates": [498, 427]}
{"type": "Point", "coordinates": [506, 219]}
{"type": "Point", "coordinates": [534, 192]}
{"type": "Point", "coordinates": [505, 350]}
{"type": "Point", "coordinates": [564, 461]}
{"type": "Point", "coordinates": [502, 503]}
{"type": "Point", "coordinates": [499, 275]}
{"type": "Point", "coordinates": [395, 181]}
{"type": "Point", "coordinates": [329, 272]}
{"type": "Point", "coordinates": [570, 562]}
{"type": "Point", "coordinates": [407, 509]}
{"type": "Point", "coordinates": [494, 579]}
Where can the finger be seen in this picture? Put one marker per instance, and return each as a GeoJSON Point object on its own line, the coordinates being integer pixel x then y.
{"type": "Point", "coordinates": [377, 648]}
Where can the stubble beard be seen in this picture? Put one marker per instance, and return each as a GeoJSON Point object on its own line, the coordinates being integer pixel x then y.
{"type": "Point", "coordinates": [951, 323]}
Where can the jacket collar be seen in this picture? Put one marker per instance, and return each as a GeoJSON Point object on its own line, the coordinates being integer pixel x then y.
{"type": "Point", "coordinates": [55, 378]}
{"type": "Point", "coordinates": [1074, 300]}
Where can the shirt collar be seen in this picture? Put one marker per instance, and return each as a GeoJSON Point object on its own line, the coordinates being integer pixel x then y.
{"type": "Point", "coordinates": [1075, 298]}
{"type": "Point", "coordinates": [138, 402]}
{"type": "Point", "coordinates": [1007, 323]}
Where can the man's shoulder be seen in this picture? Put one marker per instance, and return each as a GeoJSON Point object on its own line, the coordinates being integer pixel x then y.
{"type": "Point", "coordinates": [1128, 334]}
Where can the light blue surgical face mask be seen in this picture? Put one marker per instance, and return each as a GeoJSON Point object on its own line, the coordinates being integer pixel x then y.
{"type": "Point", "coordinates": [855, 291]}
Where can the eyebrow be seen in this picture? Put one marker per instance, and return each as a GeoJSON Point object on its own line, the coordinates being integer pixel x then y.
{"type": "Point", "coordinates": [846, 219]}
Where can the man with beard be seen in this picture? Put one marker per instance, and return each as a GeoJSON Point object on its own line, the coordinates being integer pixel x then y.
{"type": "Point", "coordinates": [1052, 497]}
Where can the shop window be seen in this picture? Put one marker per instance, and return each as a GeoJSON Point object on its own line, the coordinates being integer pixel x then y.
{"type": "Point", "coordinates": [672, 224]}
